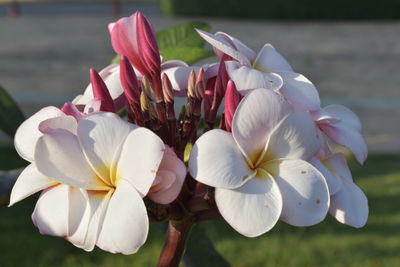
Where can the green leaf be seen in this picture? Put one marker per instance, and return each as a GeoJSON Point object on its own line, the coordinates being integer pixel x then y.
{"type": "Point", "coordinates": [11, 115]}
{"type": "Point", "coordinates": [182, 35]}
{"type": "Point", "coordinates": [188, 54]}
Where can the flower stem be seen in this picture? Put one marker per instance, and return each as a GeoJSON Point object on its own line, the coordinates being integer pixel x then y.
{"type": "Point", "coordinates": [175, 244]}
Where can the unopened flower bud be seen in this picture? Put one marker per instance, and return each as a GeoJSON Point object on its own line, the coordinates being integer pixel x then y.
{"type": "Point", "coordinates": [100, 92]}
{"type": "Point", "coordinates": [129, 81]}
{"type": "Point", "coordinates": [232, 100]}
{"type": "Point", "coordinates": [192, 84]}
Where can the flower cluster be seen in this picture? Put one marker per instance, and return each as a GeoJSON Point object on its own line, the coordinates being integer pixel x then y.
{"type": "Point", "coordinates": [104, 161]}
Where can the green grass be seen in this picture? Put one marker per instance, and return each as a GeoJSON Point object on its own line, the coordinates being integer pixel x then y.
{"type": "Point", "coordinates": [327, 244]}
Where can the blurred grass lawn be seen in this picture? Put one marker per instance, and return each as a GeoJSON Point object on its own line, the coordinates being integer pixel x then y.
{"type": "Point", "coordinates": [327, 244]}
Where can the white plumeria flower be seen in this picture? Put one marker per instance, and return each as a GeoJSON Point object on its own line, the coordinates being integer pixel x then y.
{"type": "Point", "coordinates": [260, 70]}
{"type": "Point", "coordinates": [95, 179]}
{"type": "Point", "coordinates": [260, 171]}
{"type": "Point", "coordinates": [267, 69]}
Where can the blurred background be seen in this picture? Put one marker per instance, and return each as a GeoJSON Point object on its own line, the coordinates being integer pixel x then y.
{"type": "Point", "coordinates": [349, 49]}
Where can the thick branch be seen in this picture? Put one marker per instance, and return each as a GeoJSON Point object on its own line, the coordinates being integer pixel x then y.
{"type": "Point", "coordinates": [175, 244]}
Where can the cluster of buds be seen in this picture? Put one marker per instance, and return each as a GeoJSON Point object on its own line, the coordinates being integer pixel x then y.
{"type": "Point", "coordinates": [115, 157]}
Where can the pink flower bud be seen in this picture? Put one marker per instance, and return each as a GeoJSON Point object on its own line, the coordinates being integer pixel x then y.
{"type": "Point", "coordinates": [129, 81]}
{"type": "Point", "coordinates": [100, 92]}
{"type": "Point", "coordinates": [169, 179]}
{"type": "Point", "coordinates": [232, 100]}
{"type": "Point", "coordinates": [134, 37]}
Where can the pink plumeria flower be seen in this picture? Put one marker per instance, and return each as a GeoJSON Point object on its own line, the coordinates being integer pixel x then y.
{"type": "Point", "coordinates": [348, 205]}
{"type": "Point", "coordinates": [267, 69]}
{"type": "Point", "coordinates": [343, 127]}
{"type": "Point", "coordinates": [260, 170]}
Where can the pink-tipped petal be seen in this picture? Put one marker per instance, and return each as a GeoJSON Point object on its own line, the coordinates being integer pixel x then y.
{"type": "Point", "coordinates": [238, 45]}
{"type": "Point", "coordinates": [28, 132]}
{"type": "Point", "coordinates": [71, 110]}
{"type": "Point", "coordinates": [63, 122]}
{"type": "Point", "coordinates": [224, 46]}
{"type": "Point", "coordinates": [348, 137]}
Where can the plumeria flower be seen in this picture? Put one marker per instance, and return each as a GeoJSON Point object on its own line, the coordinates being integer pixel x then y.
{"type": "Point", "coordinates": [343, 127]}
{"type": "Point", "coordinates": [349, 205]}
{"type": "Point", "coordinates": [95, 175]}
{"type": "Point", "coordinates": [251, 71]}
{"type": "Point", "coordinates": [260, 170]}
{"type": "Point", "coordinates": [267, 69]}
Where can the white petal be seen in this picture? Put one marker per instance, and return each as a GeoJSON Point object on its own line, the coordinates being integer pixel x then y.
{"type": "Point", "coordinates": [238, 45]}
{"type": "Point", "coordinates": [294, 138]}
{"type": "Point", "coordinates": [256, 116]}
{"type": "Point", "coordinates": [63, 122]}
{"type": "Point", "coordinates": [173, 63]}
{"type": "Point", "coordinates": [222, 45]}
{"type": "Point", "coordinates": [78, 216]}
{"type": "Point", "coordinates": [304, 192]}
{"type": "Point", "coordinates": [140, 158]}
{"type": "Point", "coordinates": [179, 78]}
{"type": "Point", "coordinates": [29, 182]}
{"type": "Point", "coordinates": [334, 183]}
{"type": "Point", "coordinates": [247, 78]}
{"type": "Point", "coordinates": [51, 211]}
{"type": "Point", "coordinates": [299, 91]}
{"type": "Point", "coordinates": [346, 116]}
{"type": "Point", "coordinates": [99, 204]}
{"type": "Point", "coordinates": [126, 224]}
{"type": "Point", "coordinates": [348, 137]}
{"type": "Point", "coordinates": [216, 160]}
{"type": "Point", "coordinates": [59, 157]}
{"type": "Point", "coordinates": [100, 135]}
{"type": "Point", "coordinates": [268, 59]}
{"type": "Point", "coordinates": [350, 206]}
{"type": "Point", "coordinates": [337, 165]}
{"type": "Point", "coordinates": [252, 209]}
{"type": "Point", "coordinates": [28, 132]}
